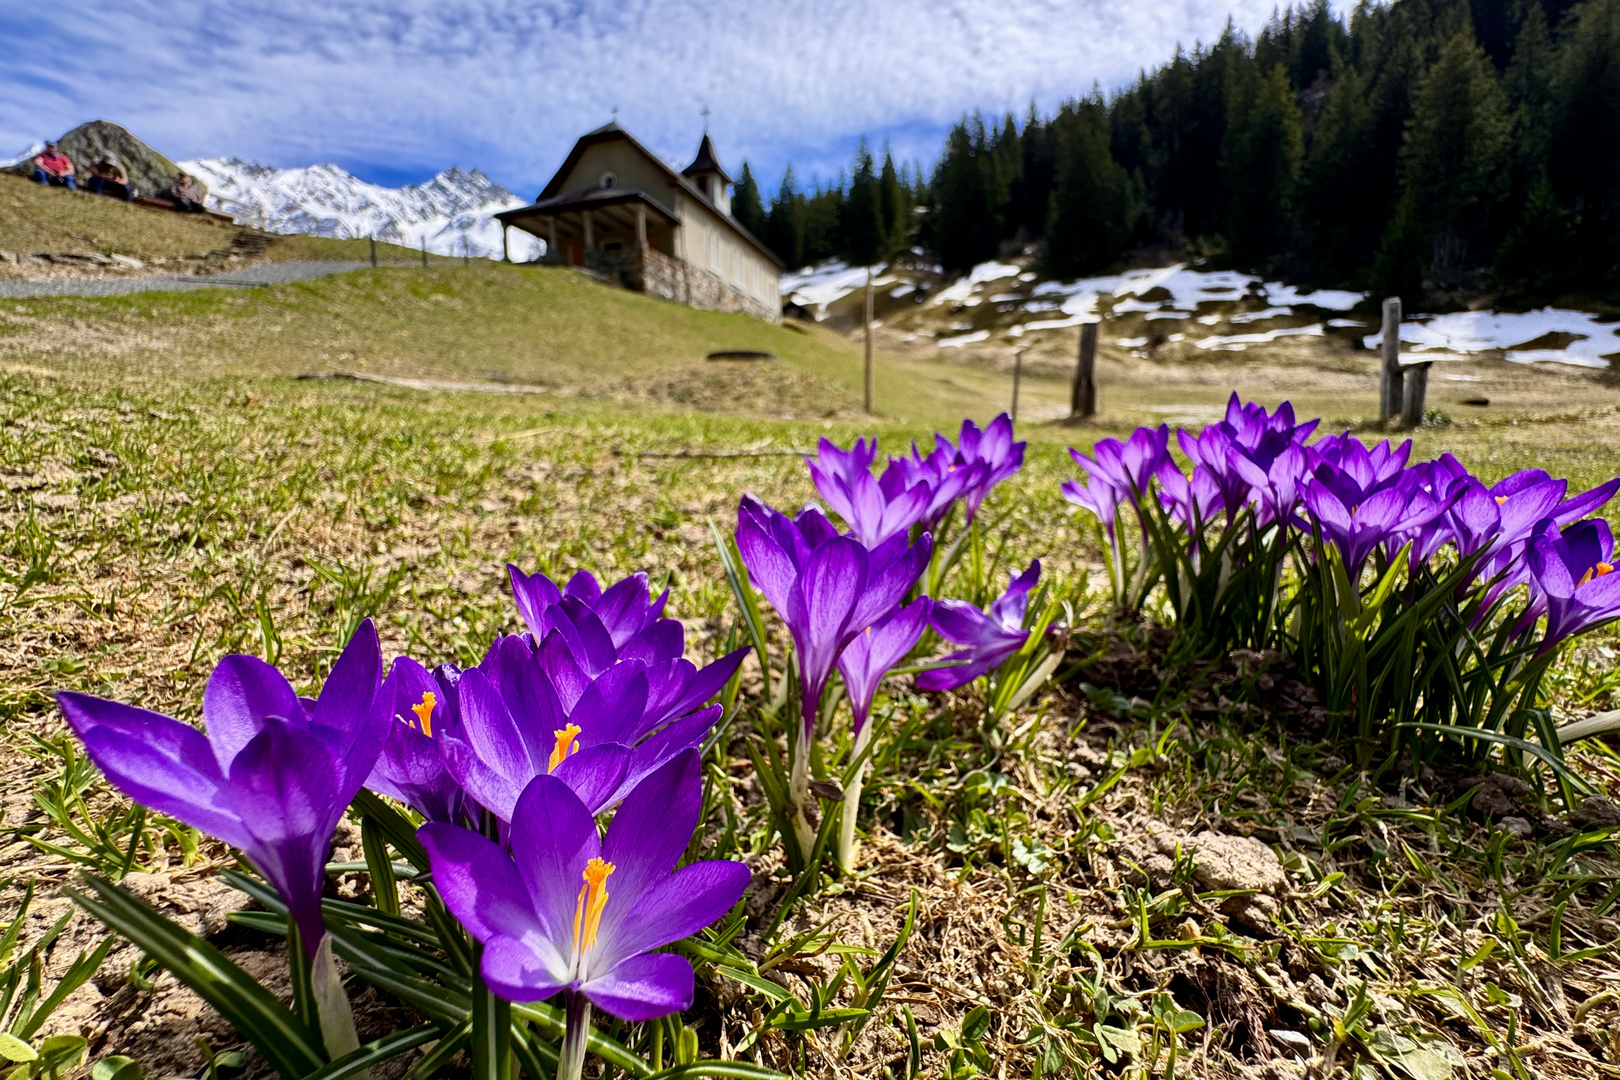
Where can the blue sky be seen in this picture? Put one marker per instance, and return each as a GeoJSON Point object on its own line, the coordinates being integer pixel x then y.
{"type": "Point", "coordinates": [396, 90]}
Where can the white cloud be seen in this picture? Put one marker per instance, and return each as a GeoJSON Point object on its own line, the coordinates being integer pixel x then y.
{"type": "Point", "coordinates": [397, 88]}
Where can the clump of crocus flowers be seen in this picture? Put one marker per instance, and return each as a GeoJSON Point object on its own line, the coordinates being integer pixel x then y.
{"type": "Point", "coordinates": [509, 765]}
{"type": "Point", "coordinates": [1422, 600]}
{"type": "Point", "coordinates": [859, 600]}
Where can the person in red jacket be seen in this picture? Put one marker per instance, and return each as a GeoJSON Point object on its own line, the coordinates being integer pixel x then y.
{"type": "Point", "coordinates": [51, 166]}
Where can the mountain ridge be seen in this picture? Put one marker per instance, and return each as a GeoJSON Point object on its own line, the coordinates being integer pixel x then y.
{"type": "Point", "coordinates": [450, 214]}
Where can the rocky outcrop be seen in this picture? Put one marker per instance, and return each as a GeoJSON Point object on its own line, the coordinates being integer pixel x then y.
{"type": "Point", "coordinates": [149, 171]}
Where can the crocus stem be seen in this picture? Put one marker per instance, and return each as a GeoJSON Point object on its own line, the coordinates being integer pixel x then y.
{"type": "Point", "coordinates": [799, 796]}
{"type": "Point", "coordinates": [571, 1064]}
{"type": "Point", "coordinates": [491, 1031]}
{"type": "Point", "coordinates": [852, 804]}
{"type": "Point", "coordinates": [332, 1004]}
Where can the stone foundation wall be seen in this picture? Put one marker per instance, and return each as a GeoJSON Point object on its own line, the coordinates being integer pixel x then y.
{"type": "Point", "coordinates": [668, 278]}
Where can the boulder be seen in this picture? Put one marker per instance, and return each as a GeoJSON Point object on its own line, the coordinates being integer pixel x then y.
{"type": "Point", "coordinates": [149, 171]}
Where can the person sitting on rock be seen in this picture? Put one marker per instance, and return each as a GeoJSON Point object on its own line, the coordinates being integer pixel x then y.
{"type": "Point", "coordinates": [186, 195]}
{"type": "Point", "coordinates": [107, 177]}
{"type": "Point", "coordinates": [51, 166]}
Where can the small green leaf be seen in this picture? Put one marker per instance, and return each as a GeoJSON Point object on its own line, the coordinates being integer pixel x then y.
{"type": "Point", "coordinates": [117, 1067]}
{"type": "Point", "coordinates": [976, 1024]}
{"type": "Point", "coordinates": [14, 1049]}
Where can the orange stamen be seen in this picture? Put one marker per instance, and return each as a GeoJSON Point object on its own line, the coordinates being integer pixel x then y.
{"type": "Point", "coordinates": [565, 746]}
{"type": "Point", "coordinates": [1597, 571]}
{"type": "Point", "coordinates": [424, 712]}
{"type": "Point", "coordinates": [593, 897]}
{"type": "Point", "coordinates": [1500, 499]}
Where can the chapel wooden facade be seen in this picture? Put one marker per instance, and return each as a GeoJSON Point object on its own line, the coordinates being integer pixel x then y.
{"type": "Point", "coordinates": [615, 208]}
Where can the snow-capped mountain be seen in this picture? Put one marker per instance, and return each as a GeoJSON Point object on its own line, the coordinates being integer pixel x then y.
{"type": "Point", "coordinates": [451, 212]}
{"type": "Point", "coordinates": [9, 161]}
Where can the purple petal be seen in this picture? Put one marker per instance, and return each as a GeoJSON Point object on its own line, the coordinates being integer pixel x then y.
{"type": "Point", "coordinates": [479, 882]}
{"type": "Point", "coordinates": [654, 752]}
{"type": "Point", "coordinates": [343, 715]}
{"type": "Point", "coordinates": [961, 622]}
{"type": "Point", "coordinates": [611, 708]}
{"type": "Point", "coordinates": [283, 785]}
{"type": "Point", "coordinates": [241, 692]}
{"type": "Point", "coordinates": [706, 683]}
{"type": "Point", "coordinates": [583, 587]}
{"type": "Point", "coordinates": [623, 609]}
{"type": "Point", "coordinates": [653, 827]}
{"type": "Point", "coordinates": [534, 594]}
{"type": "Point", "coordinates": [531, 969]}
{"type": "Point", "coordinates": [644, 987]}
{"type": "Point", "coordinates": [553, 837]}
{"type": "Point", "coordinates": [677, 907]}
{"type": "Point", "coordinates": [769, 567]}
{"type": "Point", "coordinates": [156, 761]}
{"type": "Point", "coordinates": [595, 773]}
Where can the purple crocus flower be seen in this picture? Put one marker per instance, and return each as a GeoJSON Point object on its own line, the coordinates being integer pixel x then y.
{"type": "Point", "coordinates": [272, 776]}
{"type": "Point", "coordinates": [874, 651]}
{"type": "Point", "coordinates": [625, 610]}
{"type": "Point", "coordinates": [1357, 522]}
{"type": "Point", "coordinates": [874, 511]}
{"type": "Point", "coordinates": [1573, 580]}
{"type": "Point", "coordinates": [411, 767]}
{"type": "Point", "coordinates": [1274, 490]}
{"type": "Point", "coordinates": [1127, 467]}
{"type": "Point", "coordinates": [1194, 500]}
{"type": "Point", "coordinates": [994, 450]}
{"type": "Point", "coordinates": [942, 470]}
{"type": "Point", "coordinates": [826, 587]}
{"type": "Point", "coordinates": [568, 912]}
{"type": "Point", "coordinates": [529, 710]}
{"type": "Point", "coordinates": [990, 636]}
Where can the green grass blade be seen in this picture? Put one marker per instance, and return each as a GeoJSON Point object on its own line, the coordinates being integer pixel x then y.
{"type": "Point", "coordinates": [291, 1048]}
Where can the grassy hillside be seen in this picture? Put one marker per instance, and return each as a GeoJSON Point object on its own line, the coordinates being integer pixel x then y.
{"type": "Point", "coordinates": [549, 327]}
{"type": "Point", "coordinates": [35, 219]}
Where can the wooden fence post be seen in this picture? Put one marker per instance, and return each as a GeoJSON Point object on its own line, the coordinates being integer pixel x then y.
{"type": "Point", "coordinates": [1389, 383]}
{"type": "Point", "coordinates": [424, 250]}
{"type": "Point", "coordinates": [1083, 395]}
{"type": "Point", "coordinates": [374, 253]}
{"type": "Point", "coordinates": [868, 310]}
{"type": "Point", "coordinates": [1415, 390]}
{"type": "Point", "coordinates": [1018, 376]}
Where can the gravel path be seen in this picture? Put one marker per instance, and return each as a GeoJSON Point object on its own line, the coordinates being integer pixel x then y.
{"type": "Point", "coordinates": [278, 273]}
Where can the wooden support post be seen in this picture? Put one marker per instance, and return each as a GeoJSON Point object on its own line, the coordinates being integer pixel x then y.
{"type": "Point", "coordinates": [1018, 377]}
{"type": "Point", "coordinates": [1415, 390]}
{"type": "Point", "coordinates": [506, 244]}
{"type": "Point", "coordinates": [868, 310]}
{"type": "Point", "coordinates": [641, 227]}
{"type": "Point", "coordinates": [424, 250]}
{"type": "Point", "coordinates": [553, 252]}
{"type": "Point", "coordinates": [1083, 398]}
{"type": "Point", "coordinates": [590, 239]}
{"type": "Point", "coordinates": [1389, 383]}
{"type": "Point", "coordinates": [374, 253]}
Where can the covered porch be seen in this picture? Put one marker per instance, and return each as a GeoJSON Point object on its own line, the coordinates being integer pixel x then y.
{"type": "Point", "coordinates": [602, 229]}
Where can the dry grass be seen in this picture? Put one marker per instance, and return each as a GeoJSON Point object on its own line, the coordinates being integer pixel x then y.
{"type": "Point", "coordinates": [171, 499]}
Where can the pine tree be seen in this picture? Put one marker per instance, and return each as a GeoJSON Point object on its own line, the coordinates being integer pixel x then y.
{"type": "Point", "coordinates": [746, 206]}
{"type": "Point", "coordinates": [1454, 164]}
{"type": "Point", "coordinates": [1094, 203]}
{"type": "Point", "coordinates": [964, 225]}
{"type": "Point", "coordinates": [864, 230]}
{"type": "Point", "coordinates": [1584, 155]}
{"type": "Point", "coordinates": [785, 224]}
{"type": "Point", "coordinates": [1260, 160]}
{"type": "Point", "coordinates": [1536, 260]}
{"type": "Point", "coordinates": [1341, 212]}
{"type": "Point", "coordinates": [894, 207]}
